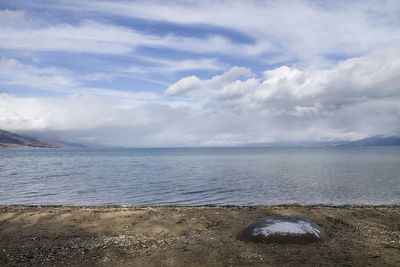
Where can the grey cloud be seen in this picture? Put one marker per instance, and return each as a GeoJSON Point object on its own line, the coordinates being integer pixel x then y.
{"type": "Point", "coordinates": [358, 96]}
{"type": "Point", "coordinates": [353, 99]}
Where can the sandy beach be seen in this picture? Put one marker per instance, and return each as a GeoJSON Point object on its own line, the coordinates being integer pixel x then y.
{"type": "Point", "coordinates": [192, 236]}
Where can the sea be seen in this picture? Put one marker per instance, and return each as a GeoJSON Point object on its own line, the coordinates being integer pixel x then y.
{"type": "Point", "coordinates": [201, 176]}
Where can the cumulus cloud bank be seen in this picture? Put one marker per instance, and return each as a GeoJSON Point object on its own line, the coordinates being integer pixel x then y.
{"type": "Point", "coordinates": [354, 98]}
{"type": "Point", "coordinates": [374, 76]}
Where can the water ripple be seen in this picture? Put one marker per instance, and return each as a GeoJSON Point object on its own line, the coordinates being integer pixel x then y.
{"type": "Point", "coordinates": [236, 176]}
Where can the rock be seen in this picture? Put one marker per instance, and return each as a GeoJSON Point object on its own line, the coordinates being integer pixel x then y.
{"type": "Point", "coordinates": [282, 229]}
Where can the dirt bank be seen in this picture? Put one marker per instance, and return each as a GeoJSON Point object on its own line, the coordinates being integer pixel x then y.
{"type": "Point", "coordinates": [191, 236]}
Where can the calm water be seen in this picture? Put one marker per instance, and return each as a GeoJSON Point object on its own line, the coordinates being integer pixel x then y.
{"type": "Point", "coordinates": [238, 176]}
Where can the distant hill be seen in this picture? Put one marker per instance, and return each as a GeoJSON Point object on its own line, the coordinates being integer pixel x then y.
{"type": "Point", "coordinates": [375, 141]}
{"type": "Point", "coordinates": [370, 141]}
{"type": "Point", "coordinates": [298, 144]}
{"type": "Point", "coordinates": [11, 140]}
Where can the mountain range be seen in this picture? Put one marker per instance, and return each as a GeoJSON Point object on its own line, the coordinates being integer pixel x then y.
{"type": "Point", "coordinates": [12, 140]}
{"type": "Point", "coordinates": [379, 140]}
{"type": "Point", "coordinates": [375, 141]}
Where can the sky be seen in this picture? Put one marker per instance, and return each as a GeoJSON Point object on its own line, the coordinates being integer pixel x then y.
{"type": "Point", "coordinates": [199, 73]}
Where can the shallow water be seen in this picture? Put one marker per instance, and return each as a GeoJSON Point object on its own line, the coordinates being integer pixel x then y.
{"type": "Point", "coordinates": [198, 176]}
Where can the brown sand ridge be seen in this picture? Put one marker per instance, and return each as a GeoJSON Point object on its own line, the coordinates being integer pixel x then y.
{"type": "Point", "coordinates": [191, 236]}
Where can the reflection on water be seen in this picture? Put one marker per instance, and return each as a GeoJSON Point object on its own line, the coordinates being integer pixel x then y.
{"type": "Point", "coordinates": [187, 176]}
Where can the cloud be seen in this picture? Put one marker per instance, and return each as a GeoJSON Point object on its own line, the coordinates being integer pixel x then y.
{"type": "Point", "coordinates": [238, 88]}
{"type": "Point", "coordinates": [172, 66]}
{"type": "Point", "coordinates": [358, 96]}
{"type": "Point", "coordinates": [97, 38]}
{"type": "Point", "coordinates": [184, 85]}
{"type": "Point", "coordinates": [13, 72]}
{"type": "Point", "coordinates": [57, 80]}
{"type": "Point", "coordinates": [106, 119]}
{"type": "Point", "coordinates": [193, 83]}
{"type": "Point", "coordinates": [296, 30]}
{"type": "Point", "coordinates": [375, 75]}
{"type": "Point", "coordinates": [309, 33]}
{"type": "Point", "coordinates": [355, 98]}
{"type": "Point", "coordinates": [336, 71]}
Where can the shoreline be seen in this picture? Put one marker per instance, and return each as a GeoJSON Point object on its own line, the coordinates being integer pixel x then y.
{"type": "Point", "coordinates": [191, 236]}
{"type": "Point", "coordinates": [289, 205]}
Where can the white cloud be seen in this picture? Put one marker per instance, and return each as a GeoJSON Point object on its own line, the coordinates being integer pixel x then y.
{"type": "Point", "coordinates": [354, 98]}
{"type": "Point", "coordinates": [17, 18]}
{"type": "Point", "coordinates": [172, 66]}
{"type": "Point", "coordinates": [97, 38]}
{"type": "Point", "coordinates": [101, 119]}
{"type": "Point", "coordinates": [358, 96]}
{"type": "Point", "coordinates": [154, 67]}
{"type": "Point", "coordinates": [13, 72]}
{"type": "Point", "coordinates": [56, 80]}
{"type": "Point", "coordinates": [298, 29]}
{"type": "Point", "coordinates": [183, 85]}
{"type": "Point", "coordinates": [238, 88]}
{"type": "Point", "coordinates": [193, 83]}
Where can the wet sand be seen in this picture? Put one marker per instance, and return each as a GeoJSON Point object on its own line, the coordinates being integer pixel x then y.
{"type": "Point", "coordinates": [192, 236]}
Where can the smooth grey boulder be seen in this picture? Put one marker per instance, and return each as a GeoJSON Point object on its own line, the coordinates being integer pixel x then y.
{"type": "Point", "coordinates": [283, 229]}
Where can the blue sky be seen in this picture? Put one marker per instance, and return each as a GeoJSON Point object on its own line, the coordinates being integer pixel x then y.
{"type": "Point", "coordinates": [200, 73]}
